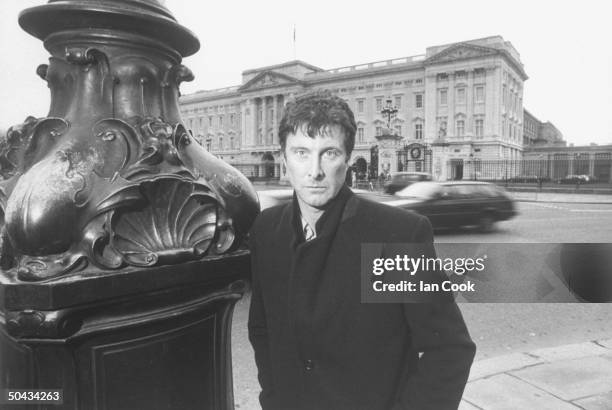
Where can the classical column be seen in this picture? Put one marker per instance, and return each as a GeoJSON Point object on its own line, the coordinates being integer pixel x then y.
{"type": "Point", "coordinates": [451, 102]}
{"type": "Point", "coordinates": [470, 100]}
{"type": "Point", "coordinates": [275, 120]}
{"type": "Point", "coordinates": [429, 110]}
{"type": "Point", "coordinates": [243, 123]}
{"type": "Point", "coordinates": [494, 98]}
{"type": "Point", "coordinates": [255, 114]}
{"type": "Point", "coordinates": [264, 120]}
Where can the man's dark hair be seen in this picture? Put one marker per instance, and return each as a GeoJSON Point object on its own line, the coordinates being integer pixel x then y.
{"type": "Point", "coordinates": [316, 111]}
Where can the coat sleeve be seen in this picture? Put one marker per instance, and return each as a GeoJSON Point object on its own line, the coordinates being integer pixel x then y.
{"type": "Point", "coordinates": [258, 331]}
{"type": "Point", "coordinates": [445, 348]}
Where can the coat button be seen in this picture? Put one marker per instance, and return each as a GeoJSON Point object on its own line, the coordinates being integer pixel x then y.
{"type": "Point", "coordinates": [309, 365]}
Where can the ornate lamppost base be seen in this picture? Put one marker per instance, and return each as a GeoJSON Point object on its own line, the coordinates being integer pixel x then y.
{"type": "Point", "coordinates": [152, 338]}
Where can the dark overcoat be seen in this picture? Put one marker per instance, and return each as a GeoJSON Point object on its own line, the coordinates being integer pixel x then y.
{"type": "Point", "coordinates": [317, 347]}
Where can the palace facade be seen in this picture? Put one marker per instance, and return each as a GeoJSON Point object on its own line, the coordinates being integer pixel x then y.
{"type": "Point", "coordinates": [457, 104]}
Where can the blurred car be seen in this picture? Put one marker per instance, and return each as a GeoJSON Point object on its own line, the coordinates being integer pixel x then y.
{"type": "Point", "coordinates": [577, 179]}
{"type": "Point", "coordinates": [400, 180]}
{"type": "Point", "coordinates": [532, 179]}
{"type": "Point", "coordinates": [458, 203]}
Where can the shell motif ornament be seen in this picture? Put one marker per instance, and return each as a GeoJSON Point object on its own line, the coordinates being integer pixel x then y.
{"type": "Point", "coordinates": [179, 222]}
{"type": "Point", "coordinates": [135, 195]}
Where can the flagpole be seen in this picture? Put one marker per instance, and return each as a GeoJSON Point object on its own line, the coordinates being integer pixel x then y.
{"type": "Point", "coordinates": [294, 44]}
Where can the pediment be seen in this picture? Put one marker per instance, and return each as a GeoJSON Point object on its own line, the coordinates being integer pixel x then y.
{"type": "Point", "coordinates": [461, 51]}
{"type": "Point", "coordinates": [268, 79]}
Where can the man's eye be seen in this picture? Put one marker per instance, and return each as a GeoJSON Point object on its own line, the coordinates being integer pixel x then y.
{"type": "Point", "coordinates": [332, 153]}
{"type": "Point", "coordinates": [300, 153]}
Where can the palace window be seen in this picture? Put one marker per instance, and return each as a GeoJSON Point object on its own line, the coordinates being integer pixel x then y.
{"type": "Point", "coordinates": [479, 94]}
{"type": "Point", "coordinates": [443, 97]}
{"type": "Point", "coordinates": [479, 127]}
{"type": "Point", "coordinates": [360, 106]}
{"type": "Point", "coordinates": [461, 95]}
{"type": "Point", "coordinates": [378, 131]}
{"type": "Point", "coordinates": [360, 136]}
{"type": "Point", "coordinates": [220, 121]}
{"type": "Point", "coordinates": [231, 119]}
{"type": "Point", "coordinates": [231, 142]}
{"type": "Point", "coordinates": [418, 131]}
{"type": "Point", "coordinates": [398, 130]}
{"type": "Point", "coordinates": [398, 101]}
{"type": "Point", "coordinates": [460, 131]}
{"type": "Point", "coordinates": [220, 143]}
{"type": "Point", "coordinates": [418, 101]}
{"type": "Point", "coordinates": [379, 104]}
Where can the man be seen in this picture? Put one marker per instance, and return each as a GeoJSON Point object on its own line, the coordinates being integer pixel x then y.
{"type": "Point", "coordinates": [316, 345]}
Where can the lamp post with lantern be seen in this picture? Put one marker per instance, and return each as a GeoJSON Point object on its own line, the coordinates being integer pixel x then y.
{"type": "Point", "coordinates": [389, 111]}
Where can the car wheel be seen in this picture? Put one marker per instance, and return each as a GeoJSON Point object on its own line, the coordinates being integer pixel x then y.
{"type": "Point", "coordinates": [486, 223]}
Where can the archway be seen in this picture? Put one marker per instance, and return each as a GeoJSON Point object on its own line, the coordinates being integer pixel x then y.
{"type": "Point", "coordinates": [360, 166]}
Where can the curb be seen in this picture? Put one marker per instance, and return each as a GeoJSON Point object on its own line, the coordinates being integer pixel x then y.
{"type": "Point", "coordinates": [564, 202]}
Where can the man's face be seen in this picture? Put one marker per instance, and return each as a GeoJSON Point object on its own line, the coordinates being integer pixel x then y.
{"type": "Point", "coordinates": [317, 166]}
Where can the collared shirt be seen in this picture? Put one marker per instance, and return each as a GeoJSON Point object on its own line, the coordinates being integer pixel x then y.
{"type": "Point", "coordinates": [309, 233]}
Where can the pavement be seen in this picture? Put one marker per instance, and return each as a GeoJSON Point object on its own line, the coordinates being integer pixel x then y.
{"type": "Point", "coordinates": [574, 376]}
{"type": "Point", "coordinates": [535, 196]}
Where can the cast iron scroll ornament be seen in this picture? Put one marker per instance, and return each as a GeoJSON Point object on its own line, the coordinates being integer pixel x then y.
{"type": "Point", "coordinates": [111, 178]}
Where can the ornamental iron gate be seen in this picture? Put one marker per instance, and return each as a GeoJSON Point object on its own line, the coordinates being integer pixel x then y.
{"type": "Point", "coordinates": [373, 174]}
{"type": "Point", "coordinates": [414, 158]}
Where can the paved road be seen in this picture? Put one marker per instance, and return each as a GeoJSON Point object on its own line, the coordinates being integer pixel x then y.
{"type": "Point", "coordinates": [546, 223]}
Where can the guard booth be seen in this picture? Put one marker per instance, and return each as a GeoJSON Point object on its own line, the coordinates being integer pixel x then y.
{"type": "Point", "coordinates": [122, 239]}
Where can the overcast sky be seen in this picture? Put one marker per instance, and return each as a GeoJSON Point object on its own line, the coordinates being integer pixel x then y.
{"type": "Point", "coordinates": [565, 47]}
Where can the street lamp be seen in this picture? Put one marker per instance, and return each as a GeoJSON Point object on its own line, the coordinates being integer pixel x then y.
{"type": "Point", "coordinates": [389, 111]}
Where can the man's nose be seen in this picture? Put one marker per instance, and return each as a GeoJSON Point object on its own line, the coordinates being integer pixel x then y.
{"type": "Point", "coordinates": [315, 171]}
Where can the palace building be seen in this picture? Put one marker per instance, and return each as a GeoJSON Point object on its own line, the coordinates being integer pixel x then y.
{"type": "Point", "coordinates": [454, 106]}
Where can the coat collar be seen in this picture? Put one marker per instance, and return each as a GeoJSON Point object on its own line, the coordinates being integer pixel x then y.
{"type": "Point", "coordinates": [343, 206]}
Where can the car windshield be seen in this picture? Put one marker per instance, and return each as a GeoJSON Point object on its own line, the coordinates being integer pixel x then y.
{"type": "Point", "coordinates": [419, 190]}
